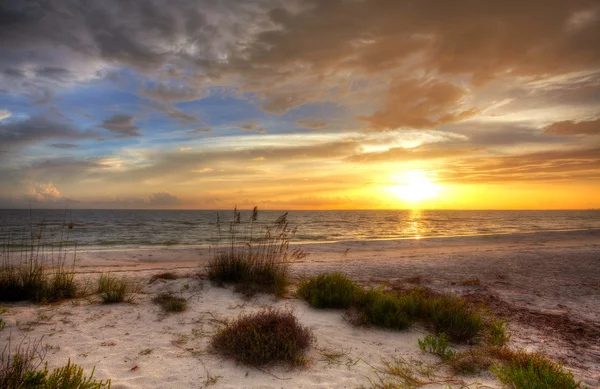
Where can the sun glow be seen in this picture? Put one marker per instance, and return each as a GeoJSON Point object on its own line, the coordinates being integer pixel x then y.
{"type": "Point", "coordinates": [415, 187]}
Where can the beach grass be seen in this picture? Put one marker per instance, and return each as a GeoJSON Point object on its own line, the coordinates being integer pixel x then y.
{"type": "Point", "coordinates": [115, 289]}
{"type": "Point", "coordinates": [266, 337]}
{"type": "Point", "coordinates": [533, 371]}
{"type": "Point", "coordinates": [333, 290]}
{"type": "Point", "coordinates": [21, 368]}
{"type": "Point", "coordinates": [36, 269]}
{"type": "Point", "coordinates": [443, 313]}
{"type": "Point", "coordinates": [254, 262]}
{"type": "Point", "coordinates": [36, 273]}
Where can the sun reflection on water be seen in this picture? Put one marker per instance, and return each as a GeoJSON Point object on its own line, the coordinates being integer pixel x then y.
{"type": "Point", "coordinates": [415, 226]}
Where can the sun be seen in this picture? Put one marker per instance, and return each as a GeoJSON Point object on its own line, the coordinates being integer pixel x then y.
{"type": "Point", "coordinates": [415, 187]}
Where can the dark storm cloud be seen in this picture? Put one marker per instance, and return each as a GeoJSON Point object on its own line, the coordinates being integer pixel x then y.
{"type": "Point", "coordinates": [123, 126]}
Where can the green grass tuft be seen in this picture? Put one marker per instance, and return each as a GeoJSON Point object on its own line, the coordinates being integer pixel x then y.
{"type": "Point", "coordinates": [328, 291]}
{"type": "Point", "coordinates": [437, 345]}
{"type": "Point", "coordinates": [382, 309]}
{"type": "Point", "coordinates": [452, 316]}
{"type": "Point", "coordinates": [115, 289]}
{"type": "Point", "coordinates": [534, 371]}
{"type": "Point", "coordinates": [262, 338]}
{"type": "Point", "coordinates": [70, 376]}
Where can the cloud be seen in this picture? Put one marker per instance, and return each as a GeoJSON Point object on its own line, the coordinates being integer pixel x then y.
{"type": "Point", "coordinates": [312, 123]}
{"type": "Point", "coordinates": [200, 130]}
{"type": "Point", "coordinates": [551, 165]}
{"type": "Point", "coordinates": [420, 104]}
{"type": "Point", "coordinates": [569, 127]}
{"type": "Point", "coordinates": [63, 145]}
{"type": "Point", "coordinates": [172, 93]}
{"type": "Point", "coordinates": [252, 127]}
{"type": "Point", "coordinates": [47, 125]}
{"type": "Point", "coordinates": [163, 199]}
{"type": "Point", "coordinates": [401, 154]}
{"type": "Point", "coordinates": [4, 114]}
{"type": "Point", "coordinates": [46, 194]}
{"type": "Point", "coordinates": [121, 125]}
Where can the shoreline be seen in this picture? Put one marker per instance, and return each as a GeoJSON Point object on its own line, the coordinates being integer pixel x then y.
{"type": "Point", "coordinates": [441, 238]}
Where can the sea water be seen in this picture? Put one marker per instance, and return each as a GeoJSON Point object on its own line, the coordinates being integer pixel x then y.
{"type": "Point", "coordinates": [110, 229]}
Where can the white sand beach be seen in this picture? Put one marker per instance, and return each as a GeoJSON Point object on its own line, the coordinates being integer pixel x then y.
{"type": "Point", "coordinates": [546, 285]}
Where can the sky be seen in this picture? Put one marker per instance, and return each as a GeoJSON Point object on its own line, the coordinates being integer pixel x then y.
{"type": "Point", "coordinates": [311, 104]}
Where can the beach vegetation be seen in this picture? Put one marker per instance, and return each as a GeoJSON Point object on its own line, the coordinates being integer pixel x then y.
{"type": "Point", "coordinates": [254, 261]}
{"type": "Point", "coordinates": [496, 332]}
{"type": "Point", "coordinates": [333, 290]}
{"type": "Point", "coordinates": [452, 316]}
{"type": "Point", "coordinates": [170, 302]}
{"type": "Point", "coordinates": [533, 371]}
{"type": "Point", "coordinates": [32, 268]}
{"type": "Point", "coordinates": [23, 367]}
{"type": "Point", "coordinates": [70, 376]}
{"type": "Point", "coordinates": [382, 309]}
{"type": "Point", "coordinates": [265, 337]}
{"type": "Point", "coordinates": [437, 345]}
{"type": "Point", "coordinates": [115, 289]}
{"type": "Point", "coordinates": [35, 270]}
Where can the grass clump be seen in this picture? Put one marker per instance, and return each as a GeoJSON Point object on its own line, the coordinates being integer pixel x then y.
{"type": "Point", "coordinates": [382, 309]}
{"type": "Point", "coordinates": [254, 263]}
{"type": "Point", "coordinates": [437, 345]}
{"type": "Point", "coordinates": [70, 376]}
{"type": "Point", "coordinates": [268, 336]}
{"type": "Point", "coordinates": [452, 316]}
{"type": "Point", "coordinates": [115, 289]}
{"type": "Point", "coordinates": [496, 332]}
{"type": "Point", "coordinates": [170, 303]}
{"type": "Point", "coordinates": [534, 371]}
{"type": "Point", "coordinates": [36, 269]}
{"type": "Point", "coordinates": [328, 291]}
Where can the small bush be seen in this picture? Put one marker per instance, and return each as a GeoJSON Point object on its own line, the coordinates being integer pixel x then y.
{"type": "Point", "coordinates": [453, 316]}
{"type": "Point", "coordinates": [70, 376]}
{"type": "Point", "coordinates": [382, 309]}
{"type": "Point", "coordinates": [262, 338]}
{"type": "Point", "coordinates": [534, 371]}
{"type": "Point", "coordinates": [328, 291]}
{"type": "Point", "coordinates": [15, 363]}
{"type": "Point", "coordinates": [170, 303]}
{"type": "Point", "coordinates": [114, 289]}
{"type": "Point", "coordinates": [437, 345]}
{"type": "Point", "coordinates": [496, 333]}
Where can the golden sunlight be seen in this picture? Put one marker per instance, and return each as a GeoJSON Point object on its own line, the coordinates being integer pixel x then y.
{"type": "Point", "coordinates": [415, 186]}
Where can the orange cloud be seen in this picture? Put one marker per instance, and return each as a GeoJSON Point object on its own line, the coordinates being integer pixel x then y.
{"type": "Point", "coordinates": [569, 127]}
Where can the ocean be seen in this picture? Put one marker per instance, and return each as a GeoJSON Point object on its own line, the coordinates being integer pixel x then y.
{"type": "Point", "coordinates": [122, 229]}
